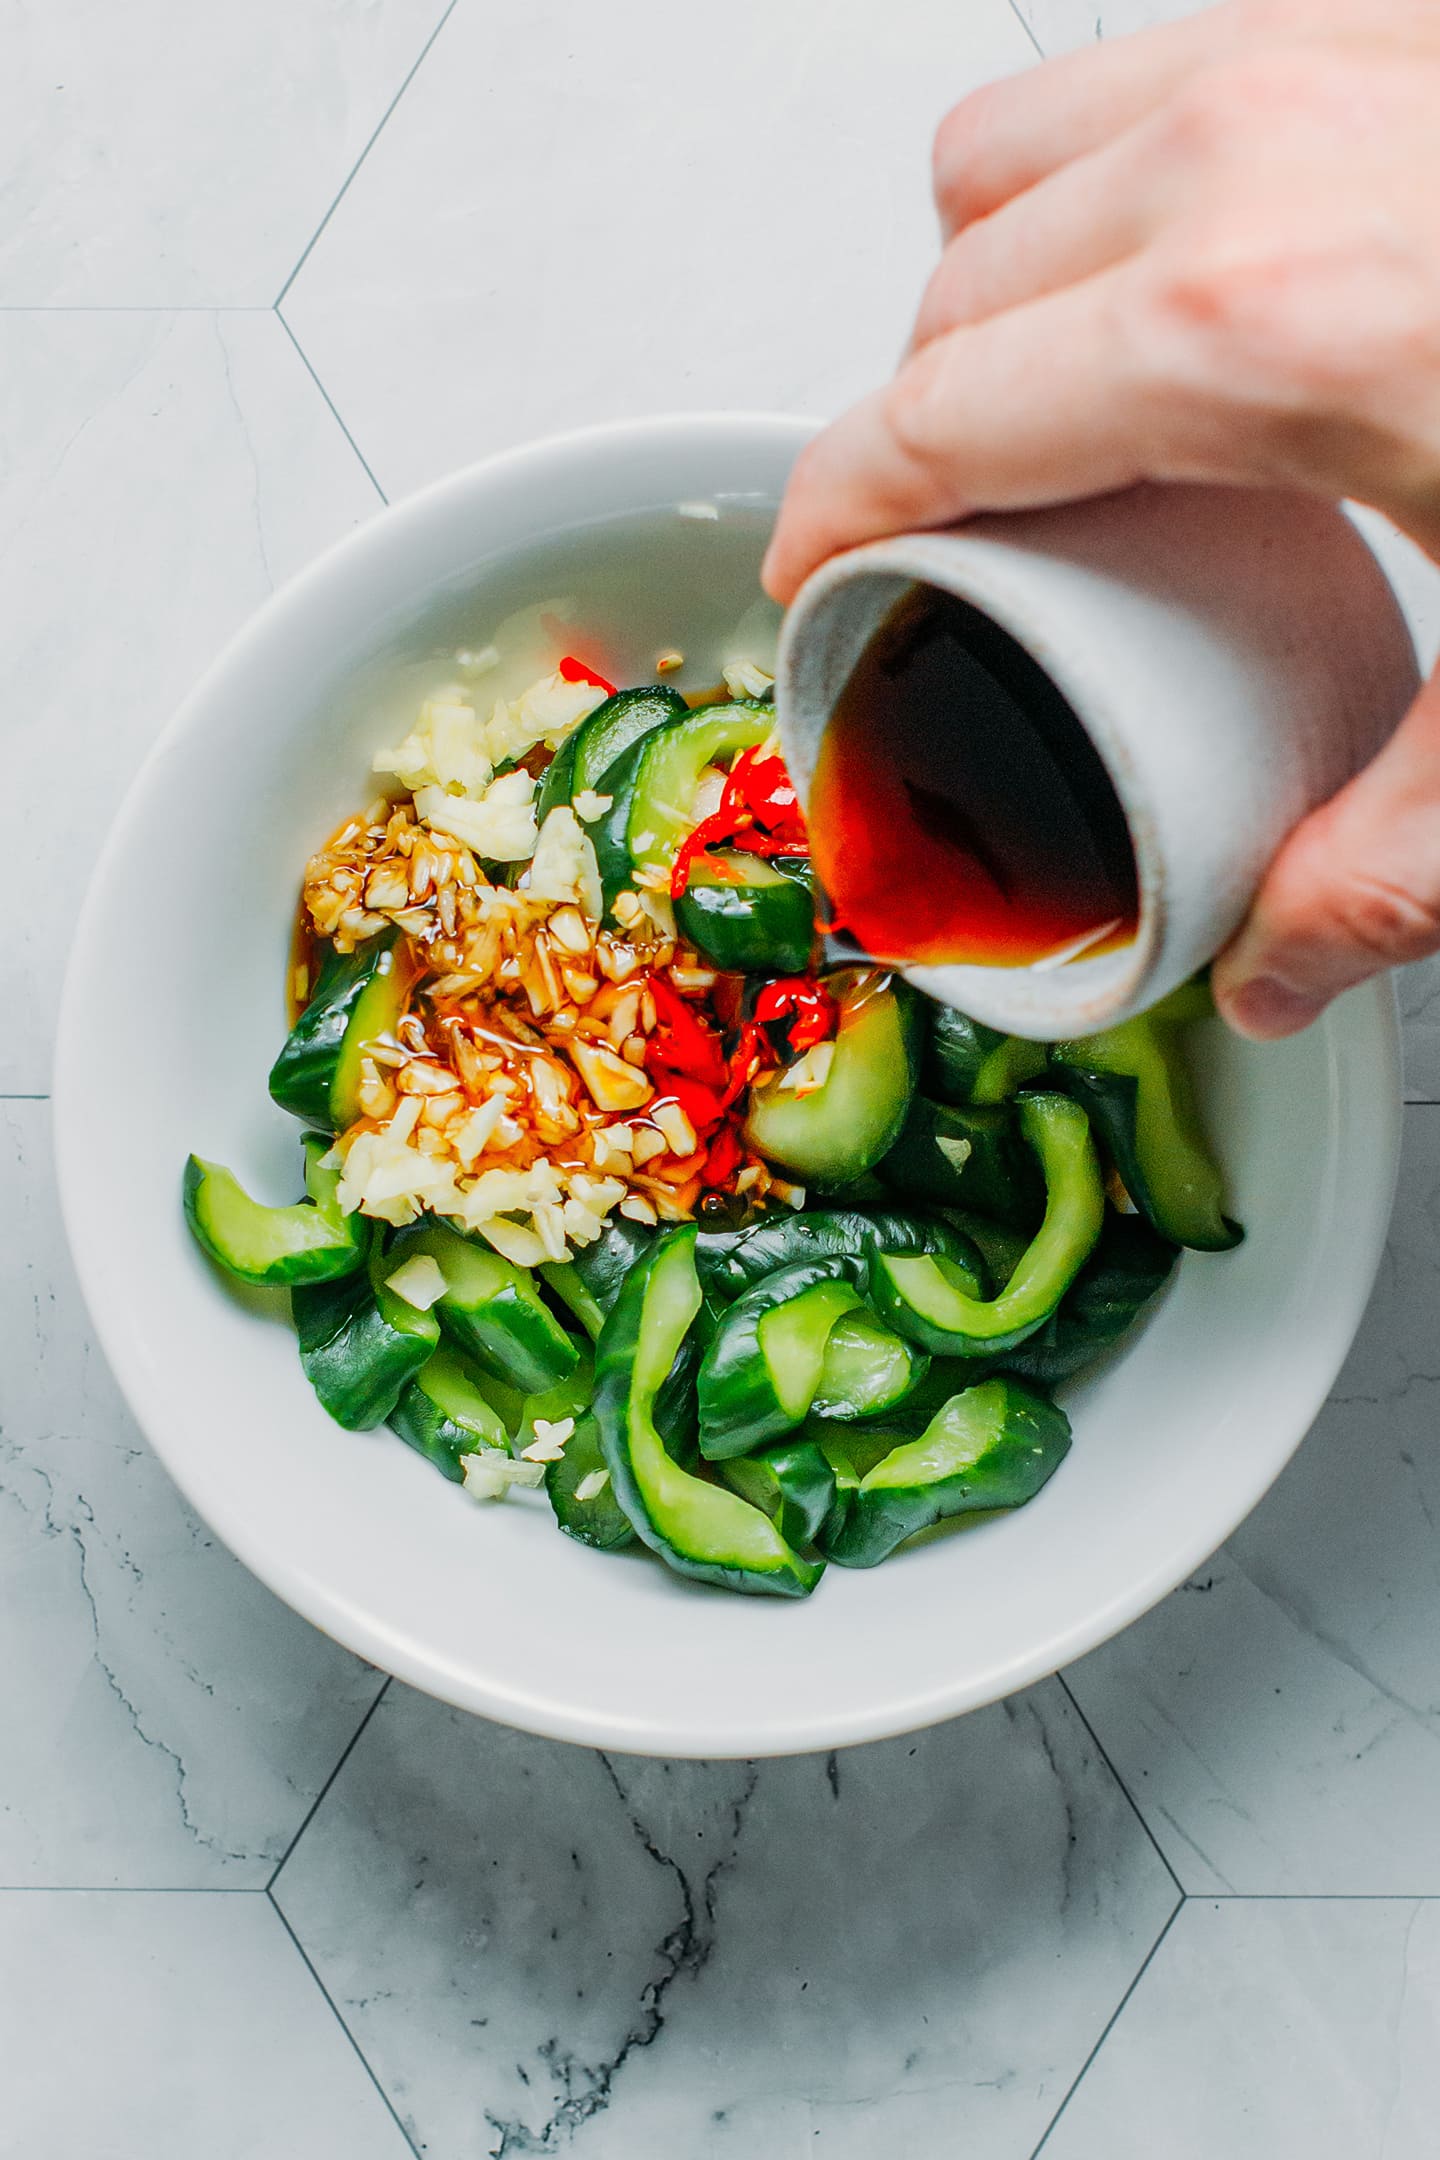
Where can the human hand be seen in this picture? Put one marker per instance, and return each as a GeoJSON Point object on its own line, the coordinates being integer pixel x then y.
{"type": "Point", "coordinates": [1210, 252]}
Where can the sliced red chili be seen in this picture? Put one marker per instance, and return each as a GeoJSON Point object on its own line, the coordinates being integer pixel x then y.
{"type": "Point", "coordinates": [575, 670]}
{"type": "Point", "coordinates": [759, 814]}
{"type": "Point", "coordinates": [722, 1159]}
{"type": "Point", "coordinates": [681, 1042]}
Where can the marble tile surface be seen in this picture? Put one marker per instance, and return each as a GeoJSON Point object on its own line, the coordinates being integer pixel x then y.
{"type": "Point", "coordinates": [737, 190]}
{"type": "Point", "coordinates": [179, 153]}
{"type": "Point", "coordinates": [1278, 1720]}
{"type": "Point", "coordinates": [159, 474]}
{"type": "Point", "coordinates": [154, 2027]}
{"type": "Point", "coordinates": [540, 1948]}
{"type": "Point", "coordinates": [918, 1947]}
{"type": "Point", "coordinates": [1060, 26]}
{"type": "Point", "coordinates": [166, 1721]}
{"type": "Point", "coordinates": [1262, 2030]}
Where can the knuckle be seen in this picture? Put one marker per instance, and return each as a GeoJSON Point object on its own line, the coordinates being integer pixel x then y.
{"type": "Point", "coordinates": [956, 158]}
{"type": "Point", "coordinates": [1384, 920]}
{"type": "Point", "coordinates": [912, 406]}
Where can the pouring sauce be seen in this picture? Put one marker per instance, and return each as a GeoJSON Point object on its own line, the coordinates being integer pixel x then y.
{"type": "Point", "coordinates": [959, 811]}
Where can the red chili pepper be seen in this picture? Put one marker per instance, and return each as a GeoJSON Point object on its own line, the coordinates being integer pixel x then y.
{"type": "Point", "coordinates": [701, 1105]}
{"type": "Point", "coordinates": [812, 1014]}
{"type": "Point", "coordinates": [759, 813]}
{"type": "Point", "coordinates": [682, 1044]}
{"type": "Point", "coordinates": [575, 670]}
{"type": "Point", "coordinates": [723, 1158]}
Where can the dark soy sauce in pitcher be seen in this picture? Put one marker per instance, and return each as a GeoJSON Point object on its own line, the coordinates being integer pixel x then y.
{"type": "Point", "coordinates": [959, 811]}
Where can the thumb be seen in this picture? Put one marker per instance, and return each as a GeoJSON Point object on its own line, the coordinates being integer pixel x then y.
{"type": "Point", "coordinates": [1355, 889]}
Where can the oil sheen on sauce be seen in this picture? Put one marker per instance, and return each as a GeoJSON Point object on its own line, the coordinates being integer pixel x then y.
{"type": "Point", "coordinates": [959, 812]}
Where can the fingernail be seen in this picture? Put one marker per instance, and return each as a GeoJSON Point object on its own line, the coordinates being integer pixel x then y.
{"type": "Point", "coordinates": [1266, 1007]}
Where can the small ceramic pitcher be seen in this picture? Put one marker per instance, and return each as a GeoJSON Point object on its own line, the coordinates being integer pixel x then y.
{"type": "Point", "coordinates": [1235, 656]}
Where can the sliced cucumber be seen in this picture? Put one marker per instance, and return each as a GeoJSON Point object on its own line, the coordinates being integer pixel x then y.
{"type": "Point", "coordinates": [697, 1528]}
{"type": "Point", "coordinates": [615, 726]}
{"type": "Point", "coordinates": [994, 1446]}
{"type": "Point", "coordinates": [749, 916]}
{"type": "Point", "coordinates": [838, 1131]}
{"type": "Point", "coordinates": [970, 1157]}
{"type": "Point", "coordinates": [967, 1062]}
{"type": "Point", "coordinates": [867, 1369]}
{"type": "Point", "coordinates": [793, 1484]}
{"type": "Point", "coordinates": [360, 1344]}
{"type": "Point", "coordinates": [445, 1415]}
{"type": "Point", "coordinates": [923, 1298]}
{"type": "Point", "coordinates": [1136, 1084]}
{"type": "Point", "coordinates": [309, 1242]}
{"type": "Point", "coordinates": [730, 1261]}
{"type": "Point", "coordinates": [758, 1377]}
{"type": "Point", "coordinates": [1130, 1264]}
{"type": "Point", "coordinates": [359, 996]}
{"type": "Point", "coordinates": [493, 1309]}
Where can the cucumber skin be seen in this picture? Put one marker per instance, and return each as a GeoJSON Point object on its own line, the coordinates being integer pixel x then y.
{"type": "Point", "coordinates": [998, 1178]}
{"type": "Point", "coordinates": [614, 1406]}
{"type": "Point", "coordinates": [1109, 1099]}
{"type": "Point", "coordinates": [731, 1262]}
{"type": "Point", "coordinates": [739, 1409]}
{"type": "Point", "coordinates": [600, 1523]}
{"type": "Point", "coordinates": [343, 1254]}
{"type": "Point", "coordinates": [356, 1361]}
{"type": "Point", "coordinates": [800, 1484]}
{"type": "Point", "coordinates": [1033, 1439]}
{"type": "Point", "coordinates": [759, 929]}
{"type": "Point", "coordinates": [422, 1425]}
{"type": "Point", "coordinates": [865, 1099]}
{"type": "Point", "coordinates": [303, 1077]}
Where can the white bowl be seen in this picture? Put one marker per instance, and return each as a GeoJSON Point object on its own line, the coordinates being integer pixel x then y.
{"type": "Point", "coordinates": [173, 1011]}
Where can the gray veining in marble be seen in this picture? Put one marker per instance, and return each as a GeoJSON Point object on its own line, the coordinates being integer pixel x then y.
{"type": "Point", "coordinates": [165, 1720]}
{"type": "Point", "coordinates": [536, 1946]}
{"type": "Point", "coordinates": [483, 1944]}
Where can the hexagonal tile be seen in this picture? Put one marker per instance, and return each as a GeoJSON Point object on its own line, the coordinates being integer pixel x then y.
{"type": "Point", "coordinates": [158, 475]}
{"type": "Point", "coordinates": [166, 1720]}
{"type": "Point", "coordinates": [531, 1942]}
{"type": "Point", "coordinates": [153, 2025]}
{"type": "Point", "coordinates": [577, 215]}
{"type": "Point", "coordinates": [1278, 1719]}
{"type": "Point", "coordinates": [1265, 2028]}
{"type": "Point", "coordinates": [164, 155]}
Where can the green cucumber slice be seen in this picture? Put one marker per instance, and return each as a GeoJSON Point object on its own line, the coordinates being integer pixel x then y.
{"type": "Point", "coordinates": [792, 1483]}
{"type": "Point", "coordinates": [359, 996]}
{"type": "Point", "coordinates": [840, 1130]}
{"type": "Point", "coordinates": [493, 1309]}
{"type": "Point", "coordinates": [445, 1415]}
{"type": "Point", "coordinates": [923, 1298]}
{"type": "Point", "coordinates": [309, 1242]}
{"type": "Point", "coordinates": [759, 1375]}
{"type": "Point", "coordinates": [360, 1344]}
{"type": "Point", "coordinates": [697, 1528]}
{"type": "Point", "coordinates": [966, 1062]}
{"type": "Point", "coordinates": [867, 1369]}
{"type": "Point", "coordinates": [747, 915]}
{"type": "Point", "coordinates": [993, 1446]}
{"type": "Point", "coordinates": [970, 1157]}
{"type": "Point", "coordinates": [1136, 1084]}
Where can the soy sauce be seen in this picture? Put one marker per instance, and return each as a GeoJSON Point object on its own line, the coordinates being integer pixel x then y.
{"type": "Point", "coordinates": [959, 811]}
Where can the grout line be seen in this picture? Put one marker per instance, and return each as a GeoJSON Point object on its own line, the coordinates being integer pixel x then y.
{"type": "Point", "coordinates": [1026, 27]}
{"type": "Point", "coordinates": [315, 1803]}
{"type": "Point", "coordinates": [1109, 2028]}
{"type": "Point", "coordinates": [330, 402]}
{"type": "Point", "coordinates": [329, 1998]}
{"type": "Point", "coordinates": [1130, 1797]}
{"type": "Point", "coordinates": [8, 1096]}
{"type": "Point", "coordinates": [143, 307]}
{"type": "Point", "coordinates": [384, 117]}
{"type": "Point", "coordinates": [76, 1889]}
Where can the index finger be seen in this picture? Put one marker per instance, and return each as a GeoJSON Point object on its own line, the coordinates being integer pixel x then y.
{"type": "Point", "coordinates": [1005, 137]}
{"type": "Point", "coordinates": [1043, 403]}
